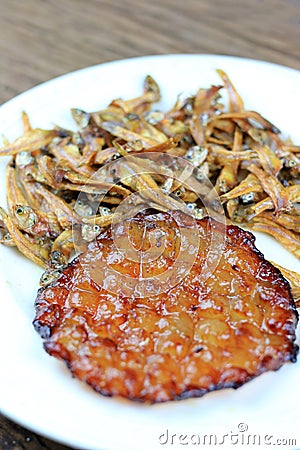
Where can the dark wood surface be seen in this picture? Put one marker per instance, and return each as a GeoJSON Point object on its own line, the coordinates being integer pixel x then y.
{"type": "Point", "coordinates": [41, 39]}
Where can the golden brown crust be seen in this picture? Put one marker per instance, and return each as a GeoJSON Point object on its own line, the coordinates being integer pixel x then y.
{"type": "Point", "coordinates": [194, 337]}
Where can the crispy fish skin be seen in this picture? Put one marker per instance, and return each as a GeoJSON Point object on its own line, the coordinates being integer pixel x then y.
{"type": "Point", "coordinates": [197, 336]}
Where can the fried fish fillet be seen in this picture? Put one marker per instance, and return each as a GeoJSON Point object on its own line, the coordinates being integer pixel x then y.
{"type": "Point", "coordinates": [217, 326]}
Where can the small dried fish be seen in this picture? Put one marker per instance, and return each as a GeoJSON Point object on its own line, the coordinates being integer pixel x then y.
{"type": "Point", "coordinates": [249, 185]}
{"type": "Point", "coordinates": [269, 161]}
{"type": "Point", "coordinates": [62, 248]}
{"type": "Point", "coordinates": [272, 186]}
{"type": "Point", "coordinates": [14, 193]}
{"type": "Point", "coordinates": [236, 103]}
{"type": "Point", "coordinates": [37, 252]}
{"type": "Point", "coordinates": [202, 110]}
{"type": "Point", "coordinates": [287, 238]}
{"type": "Point", "coordinates": [294, 280]}
{"type": "Point", "coordinates": [63, 186]}
{"type": "Point", "coordinates": [288, 221]}
{"type": "Point", "coordinates": [31, 141]}
{"type": "Point", "coordinates": [141, 104]}
{"type": "Point", "coordinates": [26, 122]}
{"type": "Point", "coordinates": [64, 213]}
{"type": "Point", "coordinates": [116, 130]}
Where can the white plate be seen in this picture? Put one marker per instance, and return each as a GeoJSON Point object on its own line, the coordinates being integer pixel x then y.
{"type": "Point", "coordinates": [35, 389]}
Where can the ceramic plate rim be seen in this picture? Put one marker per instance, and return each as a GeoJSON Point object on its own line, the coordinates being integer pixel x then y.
{"type": "Point", "coordinates": [13, 105]}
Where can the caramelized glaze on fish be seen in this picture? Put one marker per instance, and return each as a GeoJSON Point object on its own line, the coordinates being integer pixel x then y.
{"type": "Point", "coordinates": [200, 334]}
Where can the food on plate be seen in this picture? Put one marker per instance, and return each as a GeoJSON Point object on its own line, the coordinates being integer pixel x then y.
{"type": "Point", "coordinates": [165, 299]}
{"type": "Point", "coordinates": [203, 333]}
{"type": "Point", "coordinates": [253, 168]}
{"type": "Point", "coordinates": [293, 278]}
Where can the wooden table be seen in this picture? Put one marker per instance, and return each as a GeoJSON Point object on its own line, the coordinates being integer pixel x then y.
{"type": "Point", "coordinates": [41, 39]}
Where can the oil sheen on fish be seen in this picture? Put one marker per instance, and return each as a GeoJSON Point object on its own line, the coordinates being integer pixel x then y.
{"type": "Point", "coordinates": [196, 335]}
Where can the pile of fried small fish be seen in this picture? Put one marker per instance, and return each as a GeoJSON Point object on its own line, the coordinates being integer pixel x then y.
{"type": "Point", "coordinates": [253, 169]}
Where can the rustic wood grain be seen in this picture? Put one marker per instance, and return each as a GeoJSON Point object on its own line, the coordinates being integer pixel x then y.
{"type": "Point", "coordinates": [41, 39]}
{"type": "Point", "coordinates": [12, 436]}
